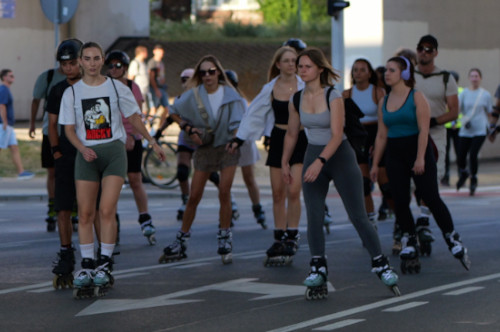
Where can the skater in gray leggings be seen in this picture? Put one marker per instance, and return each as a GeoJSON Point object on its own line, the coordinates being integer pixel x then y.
{"type": "Point", "coordinates": [328, 157]}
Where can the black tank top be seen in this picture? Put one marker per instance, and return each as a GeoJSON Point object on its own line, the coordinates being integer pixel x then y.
{"type": "Point", "coordinates": [280, 109]}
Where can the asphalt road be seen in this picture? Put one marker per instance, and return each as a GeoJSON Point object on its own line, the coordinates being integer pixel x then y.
{"type": "Point", "coordinates": [201, 294]}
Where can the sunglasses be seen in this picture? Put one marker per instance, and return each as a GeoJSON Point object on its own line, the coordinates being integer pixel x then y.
{"type": "Point", "coordinates": [117, 65]}
{"type": "Point", "coordinates": [209, 72]}
{"type": "Point", "coordinates": [427, 50]}
{"type": "Point", "coordinates": [184, 79]}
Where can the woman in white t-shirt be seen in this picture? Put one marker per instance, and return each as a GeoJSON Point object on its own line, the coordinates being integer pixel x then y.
{"type": "Point", "coordinates": [475, 105]}
{"type": "Point", "coordinates": [91, 113]}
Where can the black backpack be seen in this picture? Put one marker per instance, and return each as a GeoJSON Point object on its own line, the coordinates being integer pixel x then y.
{"type": "Point", "coordinates": [353, 129]}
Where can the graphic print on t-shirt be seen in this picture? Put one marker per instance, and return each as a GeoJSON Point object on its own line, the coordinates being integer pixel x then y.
{"type": "Point", "coordinates": [97, 118]}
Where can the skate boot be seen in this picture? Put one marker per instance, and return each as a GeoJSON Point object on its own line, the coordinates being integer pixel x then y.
{"type": "Point", "coordinates": [462, 177]}
{"type": "Point", "coordinates": [316, 281]}
{"type": "Point", "coordinates": [180, 211]}
{"type": "Point", "coordinates": [397, 235]}
{"type": "Point", "coordinates": [425, 237]}
{"type": "Point", "coordinates": [103, 278]}
{"type": "Point", "coordinates": [148, 230]}
{"type": "Point", "coordinates": [259, 215]}
{"type": "Point", "coordinates": [235, 212]}
{"type": "Point", "coordinates": [51, 216]}
{"type": "Point", "coordinates": [276, 253]}
{"type": "Point", "coordinates": [409, 255]}
{"type": "Point", "coordinates": [328, 220]}
{"type": "Point", "coordinates": [380, 266]}
{"type": "Point", "coordinates": [291, 241]}
{"type": "Point", "coordinates": [63, 269]}
{"type": "Point", "coordinates": [177, 250]}
{"type": "Point", "coordinates": [457, 249]}
{"type": "Point", "coordinates": [473, 185]}
{"type": "Point", "coordinates": [225, 245]}
{"type": "Point", "coordinates": [83, 283]}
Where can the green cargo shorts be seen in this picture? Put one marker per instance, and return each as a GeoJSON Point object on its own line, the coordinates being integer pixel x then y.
{"type": "Point", "coordinates": [111, 160]}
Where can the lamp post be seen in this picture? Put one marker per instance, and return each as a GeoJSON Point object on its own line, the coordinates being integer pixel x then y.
{"type": "Point", "coordinates": [335, 10]}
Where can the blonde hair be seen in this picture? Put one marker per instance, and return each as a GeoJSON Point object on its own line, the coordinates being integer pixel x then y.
{"type": "Point", "coordinates": [273, 70]}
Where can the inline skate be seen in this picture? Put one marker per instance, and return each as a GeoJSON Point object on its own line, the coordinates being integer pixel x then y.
{"type": "Point", "coordinates": [234, 211]}
{"type": "Point", "coordinates": [380, 266]}
{"type": "Point", "coordinates": [316, 281]}
{"type": "Point", "coordinates": [291, 242]}
{"type": "Point", "coordinates": [177, 250]}
{"type": "Point", "coordinates": [103, 279]}
{"type": "Point", "coordinates": [457, 249]}
{"type": "Point", "coordinates": [83, 283]}
{"type": "Point", "coordinates": [225, 245]}
{"type": "Point", "coordinates": [276, 254]}
{"type": "Point", "coordinates": [425, 237]}
{"type": "Point", "coordinates": [259, 215]}
{"type": "Point", "coordinates": [63, 269]}
{"type": "Point", "coordinates": [148, 230]}
{"type": "Point", "coordinates": [328, 220]}
{"type": "Point", "coordinates": [462, 178]}
{"type": "Point", "coordinates": [409, 255]}
{"type": "Point", "coordinates": [182, 208]}
{"type": "Point", "coordinates": [396, 235]}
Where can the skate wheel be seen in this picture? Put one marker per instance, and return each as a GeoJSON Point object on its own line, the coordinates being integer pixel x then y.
{"type": "Point", "coordinates": [309, 294]}
{"type": "Point", "coordinates": [55, 282]}
{"type": "Point", "coordinates": [396, 291]}
{"type": "Point", "coordinates": [227, 259]}
{"type": "Point", "coordinates": [76, 296]}
{"type": "Point", "coordinates": [152, 240]}
{"type": "Point", "coordinates": [98, 292]}
{"type": "Point", "coordinates": [327, 229]}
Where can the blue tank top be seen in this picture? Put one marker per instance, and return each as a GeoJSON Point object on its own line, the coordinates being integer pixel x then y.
{"type": "Point", "coordinates": [402, 122]}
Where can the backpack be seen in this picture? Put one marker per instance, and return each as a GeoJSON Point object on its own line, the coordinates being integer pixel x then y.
{"type": "Point", "coordinates": [353, 129]}
{"type": "Point", "coordinates": [446, 78]}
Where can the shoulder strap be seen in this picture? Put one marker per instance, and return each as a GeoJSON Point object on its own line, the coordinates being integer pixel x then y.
{"type": "Point", "coordinates": [50, 76]}
{"type": "Point", "coordinates": [296, 100]}
{"type": "Point", "coordinates": [328, 93]}
{"type": "Point", "coordinates": [117, 95]}
{"type": "Point", "coordinates": [201, 108]}
{"type": "Point", "coordinates": [129, 84]}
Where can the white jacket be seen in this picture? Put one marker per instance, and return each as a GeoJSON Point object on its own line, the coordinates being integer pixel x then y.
{"type": "Point", "coordinates": [259, 117]}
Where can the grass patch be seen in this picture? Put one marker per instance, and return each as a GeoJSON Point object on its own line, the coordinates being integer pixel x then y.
{"type": "Point", "coordinates": [30, 155]}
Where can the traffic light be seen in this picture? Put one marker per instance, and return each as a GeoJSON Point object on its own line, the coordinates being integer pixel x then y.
{"type": "Point", "coordinates": [335, 6]}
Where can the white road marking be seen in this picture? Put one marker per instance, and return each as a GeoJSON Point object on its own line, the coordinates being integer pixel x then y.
{"type": "Point", "coordinates": [188, 266]}
{"type": "Point", "coordinates": [463, 291]}
{"type": "Point", "coordinates": [405, 306]}
{"type": "Point", "coordinates": [339, 325]}
{"type": "Point", "coordinates": [375, 305]}
{"type": "Point", "coordinates": [248, 285]}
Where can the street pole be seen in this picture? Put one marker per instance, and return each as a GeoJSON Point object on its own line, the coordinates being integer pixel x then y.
{"type": "Point", "coordinates": [299, 16]}
{"type": "Point", "coordinates": [338, 47]}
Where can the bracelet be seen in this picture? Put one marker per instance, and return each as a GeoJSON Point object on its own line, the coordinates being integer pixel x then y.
{"type": "Point", "coordinates": [239, 142]}
{"type": "Point", "coordinates": [55, 149]}
{"type": "Point", "coordinates": [323, 160]}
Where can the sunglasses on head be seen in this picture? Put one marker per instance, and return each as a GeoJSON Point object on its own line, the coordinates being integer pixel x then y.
{"type": "Point", "coordinates": [427, 50]}
{"type": "Point", "coordinates": [117, 65]}
{"type": "Point", "coordinates": [209, 72]}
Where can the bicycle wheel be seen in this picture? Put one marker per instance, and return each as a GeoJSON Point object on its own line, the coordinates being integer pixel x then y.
{"type": "Point", "coordinates": [162, 174]}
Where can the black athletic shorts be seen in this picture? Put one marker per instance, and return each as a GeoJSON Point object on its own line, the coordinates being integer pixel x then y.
{"type": "Point", "coordinates": [276, 148]}
{"type": "Point", "coordinates": [47, 158]}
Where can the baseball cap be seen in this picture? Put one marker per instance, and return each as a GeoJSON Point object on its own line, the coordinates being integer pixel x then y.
{"type": "Point", "coordinates": [428, 39]}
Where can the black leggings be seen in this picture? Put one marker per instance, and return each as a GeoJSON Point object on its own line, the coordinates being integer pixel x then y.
{"type": "Point", "coordinates": [401, 153]}
{"type": "Point", "coordinates": [470, 146]}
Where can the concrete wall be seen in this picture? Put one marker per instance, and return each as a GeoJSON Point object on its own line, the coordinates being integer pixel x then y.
{"type": "Point", "coordinates": [28, 44]}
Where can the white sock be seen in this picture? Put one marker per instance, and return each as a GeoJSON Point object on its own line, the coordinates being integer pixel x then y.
{"type": "Point", "coordinates": [107, 249]}
{"type": "Point", "coordinates": [87, 250]}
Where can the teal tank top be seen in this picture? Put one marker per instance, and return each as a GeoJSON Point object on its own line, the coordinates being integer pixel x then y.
{"type": "Point", "coordinates": [402, 122]}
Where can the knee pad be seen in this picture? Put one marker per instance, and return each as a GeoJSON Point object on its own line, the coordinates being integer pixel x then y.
{"type": "Point", "coordinates": [384, 188]}
{"type": "Point", "coordinates": [214, 177]}
{"type": "Point", "coordinates": [367, 186]}
{"type": "Point", "coordinates": [182, 173]}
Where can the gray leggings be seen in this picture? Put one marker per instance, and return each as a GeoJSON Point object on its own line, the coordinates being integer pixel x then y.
{"type": "Point", "coordinates": [343, 169]}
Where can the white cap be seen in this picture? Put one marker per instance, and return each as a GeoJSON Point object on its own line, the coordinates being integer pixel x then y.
{"type": "Point", "coordinates": [188, 72]}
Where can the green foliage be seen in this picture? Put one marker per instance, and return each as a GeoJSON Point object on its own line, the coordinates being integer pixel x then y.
{"type": "Point", "coordinates": [237, 29]}
{"type": "Point", "coordinates": [284, 12]}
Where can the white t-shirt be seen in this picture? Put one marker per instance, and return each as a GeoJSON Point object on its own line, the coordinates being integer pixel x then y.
{"type": "Point", "coordinates": [94, 111]}
{"type": "Point", "coordinates": [215, 100]}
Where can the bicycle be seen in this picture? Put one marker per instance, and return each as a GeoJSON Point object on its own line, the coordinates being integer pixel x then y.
{"type": "Point", "coordinates": [162, 174]}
